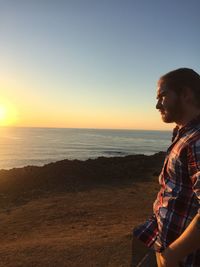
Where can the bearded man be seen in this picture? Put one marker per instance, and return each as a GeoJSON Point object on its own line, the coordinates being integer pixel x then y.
{"type": "Point", "coordinates": [173, 230]}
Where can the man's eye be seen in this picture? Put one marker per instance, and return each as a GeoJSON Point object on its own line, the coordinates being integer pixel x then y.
{"type": "Point", "coordinates": [162, 97]}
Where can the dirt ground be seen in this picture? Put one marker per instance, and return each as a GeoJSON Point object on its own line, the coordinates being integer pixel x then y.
{"type": "Point", "coordinates": [88, 228]}
{"type": "Point", "coordinates": [76, 213]}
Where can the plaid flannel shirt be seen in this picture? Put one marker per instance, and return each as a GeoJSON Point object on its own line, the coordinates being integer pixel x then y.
{"type": "Point", "coordinates": [178, 200]}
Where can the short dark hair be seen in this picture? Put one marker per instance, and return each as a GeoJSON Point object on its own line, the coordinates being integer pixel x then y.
{"type": "Point", "coordinates": [182, 78]}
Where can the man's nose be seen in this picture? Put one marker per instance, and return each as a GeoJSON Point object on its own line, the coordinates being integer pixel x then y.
{"type": "Point", "coordinates": [158, 105]}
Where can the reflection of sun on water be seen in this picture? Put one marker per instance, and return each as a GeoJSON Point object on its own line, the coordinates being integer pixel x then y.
{"type": "Point", "coordinates": [8, 115]}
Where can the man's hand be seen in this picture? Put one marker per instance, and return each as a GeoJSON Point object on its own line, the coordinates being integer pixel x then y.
{"type": "Point", "coordinates": [185, 244]}
{"type": "Point", "coordinates": [167, 258]}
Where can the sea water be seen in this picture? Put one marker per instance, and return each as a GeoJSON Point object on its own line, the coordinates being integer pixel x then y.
{"type": "Point", "coordinates": [38, 146]}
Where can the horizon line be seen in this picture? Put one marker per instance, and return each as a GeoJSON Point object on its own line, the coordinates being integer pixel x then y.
{"type": "Point", "coordinates": [86, 128]}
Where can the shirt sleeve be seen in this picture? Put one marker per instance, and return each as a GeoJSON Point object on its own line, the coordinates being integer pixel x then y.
{"type": "Point", "coordinates": [194, 168]}
{"type": "Point", "coordinates": [147, 232]}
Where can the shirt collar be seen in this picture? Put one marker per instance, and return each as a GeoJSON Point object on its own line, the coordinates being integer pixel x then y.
{"type": "Point", "coordinates": [191, 124]}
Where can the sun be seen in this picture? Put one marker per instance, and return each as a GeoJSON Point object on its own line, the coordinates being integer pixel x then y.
{"type": "Point", "coordinates": [2, 113]}
{"type": "Point", "coordinates": [3, 116]}
{"type": "Point", "coordinates": [8, 114]}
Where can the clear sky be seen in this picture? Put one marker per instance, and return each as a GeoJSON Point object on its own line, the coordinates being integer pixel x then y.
{"type": "Point", "coordinates": [92, 63]}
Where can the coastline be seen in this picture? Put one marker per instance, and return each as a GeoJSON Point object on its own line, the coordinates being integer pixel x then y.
{"type": "Point", "coordinates": [79, 175]}
{"type": "Point", "coordinates": [39, 146]}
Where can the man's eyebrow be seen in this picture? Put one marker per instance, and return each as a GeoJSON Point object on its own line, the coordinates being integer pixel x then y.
{"type": "Point", "coordinates": [163, 93]}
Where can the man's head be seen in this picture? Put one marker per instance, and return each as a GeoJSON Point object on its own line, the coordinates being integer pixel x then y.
{"type": "Point", "coordinates": [178, 95]}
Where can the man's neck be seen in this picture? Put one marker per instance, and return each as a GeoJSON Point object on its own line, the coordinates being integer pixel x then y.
{"type": "Point", "coordinates": [187, 118]}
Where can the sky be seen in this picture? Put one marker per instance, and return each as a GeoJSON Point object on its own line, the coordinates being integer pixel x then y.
{"type": "Point", "coordinates": [92, 63]}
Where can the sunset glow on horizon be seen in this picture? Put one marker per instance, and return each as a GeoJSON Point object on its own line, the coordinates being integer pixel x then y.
{"type": "Point", "coordinates": [91, 64]}
{"type": "Point", "coordinates": [8, 114]}
{"type": "Point", "coordinates": [2, 114]}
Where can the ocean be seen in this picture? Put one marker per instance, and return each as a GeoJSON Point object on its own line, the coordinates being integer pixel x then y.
{"type": "Point", "coordinates": [20, 147]}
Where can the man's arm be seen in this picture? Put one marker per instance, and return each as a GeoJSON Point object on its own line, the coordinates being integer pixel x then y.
{"type": "Point", "coordinates": [188, 242]}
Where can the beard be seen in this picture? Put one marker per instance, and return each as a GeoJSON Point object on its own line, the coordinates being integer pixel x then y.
{"type": "Point", "coordinates": [173, 112]}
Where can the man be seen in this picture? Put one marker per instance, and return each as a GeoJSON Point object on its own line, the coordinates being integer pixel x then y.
{"type": "Point", "coordinates": [173, 230]}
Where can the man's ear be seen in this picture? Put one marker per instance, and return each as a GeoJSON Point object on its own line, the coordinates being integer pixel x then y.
{"type": "Point", "coordinates": [187, 95]}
